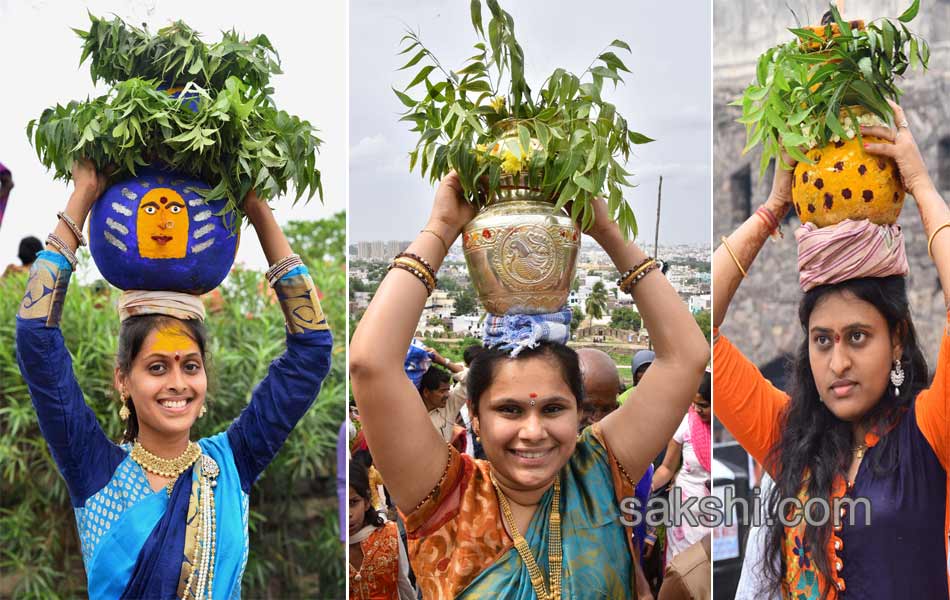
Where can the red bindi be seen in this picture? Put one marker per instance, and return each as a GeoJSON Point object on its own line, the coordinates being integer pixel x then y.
{"type": "Point", "coordinates": [177, 357]}
{"type": "Point", "coordinates": [837, 338]}
{"type": "Point", "coordinates": [163, 200]}
{"type": "Point", "coordinates": [532, 395]}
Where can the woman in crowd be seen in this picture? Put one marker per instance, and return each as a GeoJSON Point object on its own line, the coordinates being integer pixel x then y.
{"type": "Point", "coordinates": [160, 515]}
{"type": "Point", "coordinates": [540, 518]}
{"type": "Point", "coordinates": [860, 421]}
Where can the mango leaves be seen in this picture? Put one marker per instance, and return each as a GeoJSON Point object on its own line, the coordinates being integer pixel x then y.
{"type": "Point", "coordinates": [571, 142]}
{"type": "Point", "coordinates": [799, 93]}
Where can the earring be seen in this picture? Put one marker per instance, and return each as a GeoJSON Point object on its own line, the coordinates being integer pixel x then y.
{"type": "Point", "coordinates": [124, 412]}
{"type": "Point", "coordinates": [203, 411]}
{"type": "Point", "coordinates": [897, 377]}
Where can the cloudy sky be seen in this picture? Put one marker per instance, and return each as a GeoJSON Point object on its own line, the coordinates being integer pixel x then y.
{"type": "Point", "coordinates": [668, 97]}
{"type": "Point", "coordinates": [40, 68]}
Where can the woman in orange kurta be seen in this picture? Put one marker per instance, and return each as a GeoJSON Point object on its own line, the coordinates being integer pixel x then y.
{"type": "Point", "coordinates": [861, 421]}
{"type": "Point", "coordinates": [379, 567]}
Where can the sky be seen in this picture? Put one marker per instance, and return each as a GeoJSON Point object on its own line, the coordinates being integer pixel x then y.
{"type": "Point", "coordinates": [40, 68]}
{"type": "Point", "coordinates": [667, 97]}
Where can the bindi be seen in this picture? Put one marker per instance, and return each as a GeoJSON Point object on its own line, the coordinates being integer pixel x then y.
{"type": "Point", "coordinates": [837, 338]}
{"type": "Point", "coordinates": [532, 395]}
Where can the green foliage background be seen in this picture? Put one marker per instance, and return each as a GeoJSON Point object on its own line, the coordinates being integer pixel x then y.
{"type": "Point", "coordinates": [295, 546]}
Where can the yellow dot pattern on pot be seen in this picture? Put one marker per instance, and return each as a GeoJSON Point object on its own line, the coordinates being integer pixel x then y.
{"type": "Point", "coordinates": [847, 183]}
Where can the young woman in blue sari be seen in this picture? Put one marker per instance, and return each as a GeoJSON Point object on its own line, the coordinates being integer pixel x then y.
{"type": "Point", "coordinates": [160, 515]}
{"type": "Point", "coordinates": [541, 518]}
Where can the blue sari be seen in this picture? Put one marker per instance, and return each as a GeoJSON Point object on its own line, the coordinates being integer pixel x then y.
{"type": "Point", "coordinates": [135, 540]}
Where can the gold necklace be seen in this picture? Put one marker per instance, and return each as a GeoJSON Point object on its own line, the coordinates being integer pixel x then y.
{"type": "Point", "coordinates": [166, 467]}
{"type": "Point", "coordinates": [554, 544]}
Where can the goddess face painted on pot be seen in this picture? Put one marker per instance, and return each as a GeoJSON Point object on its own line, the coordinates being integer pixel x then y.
{"type": "Point", "coordinates": [161, 225]}
{"type": "Point", "coordinates": [156, 232]}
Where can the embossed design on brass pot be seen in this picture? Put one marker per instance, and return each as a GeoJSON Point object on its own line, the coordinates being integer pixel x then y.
{"type": "Point", "coordinates": [521, 254]}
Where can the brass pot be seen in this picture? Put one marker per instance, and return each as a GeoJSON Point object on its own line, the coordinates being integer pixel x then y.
{"type": "Point", "coordinates": [521, 253]}
{"type": "Point", "coordinates": [847, 183]}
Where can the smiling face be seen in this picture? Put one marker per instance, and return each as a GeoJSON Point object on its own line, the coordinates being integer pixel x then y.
{"type": "Point", "coordinates": [527, 445]}
{"type": "Point", "coordinates": [162, 224]}
{"type": "Point", "coordinates": [851, 352]}
{"type": "Point", "coordinates": [167, 382]}
{"type": "Point", "coordinates": [702, 408]}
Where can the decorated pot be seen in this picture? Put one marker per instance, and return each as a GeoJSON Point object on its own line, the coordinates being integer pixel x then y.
{"type": "Point", "coordinates": [521, 252]}
{"type": "Point", "coordinates": [846, 182]}
{"type": "Point", "coordinates": [156, 232]}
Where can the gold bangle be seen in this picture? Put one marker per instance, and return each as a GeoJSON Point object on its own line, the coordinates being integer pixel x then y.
{"type": "Point", "coordinates": [444, 245]}
{"type": "Point", "coordinates": [625, 283]}
{"type": "Point", "coordinates": [415, 264]}
{"type": "Point", "coordinates": [733, 255]}
{"type": "Point", "coordinates": [407, 264]}
{"type": "Point", "coordinates": [930, 242]}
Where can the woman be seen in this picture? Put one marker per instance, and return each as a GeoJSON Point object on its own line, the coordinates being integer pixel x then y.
{"type": "Point", "coordinates": [161, 516]}
{"type": "Point", "coordinates": [859, 421]}
{"type": "Point", "coordinates": [691, 443]}
{"type": "Point", "coordinates": [379, 567]}
{"type": "Point", "coordinates": [544, 497]}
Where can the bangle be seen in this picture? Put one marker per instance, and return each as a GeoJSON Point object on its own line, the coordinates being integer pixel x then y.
{"type": "Point", "coordinates": [640, 274]}
{"type": "Point", "coordinates": [80, 238]}
{"type": "Point", "coordinates": [733, 255]}
{"type": "Point", "coordinates": [771, 221]}
{"type": "Point", "coordinates": [930, 242]}
{"type": "Point", "coordinates": [61, 247]}
{"type": "Point", "coordinates": [631, 272]}
{"type": "Point", "coordinates": [416, 257]}
{"type": "Point", "coordinates": [282, 267]}
{"type": "Point", "coordinates": [441, 239]}
{"type": "Point", "coordinates": [416, 268]}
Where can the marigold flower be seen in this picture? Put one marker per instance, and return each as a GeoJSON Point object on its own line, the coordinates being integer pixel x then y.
{"type": "Point", "coordinates": [511, 163]}
{"type": "Point", "coordinates": [498, 103]}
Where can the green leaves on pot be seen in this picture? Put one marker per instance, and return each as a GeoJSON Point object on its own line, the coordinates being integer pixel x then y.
{"type": "Point", "coordinates": [804, 88]}
{"type": "Point", "coordinates": [484, 122]}
{"type": "Point", "coordinates": [225, 131]}
{"type": "Point", "coordinates": [175, 55]}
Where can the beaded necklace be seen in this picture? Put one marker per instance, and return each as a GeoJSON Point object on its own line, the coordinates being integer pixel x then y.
{"type": "Point", "coordinates": [554, 544]}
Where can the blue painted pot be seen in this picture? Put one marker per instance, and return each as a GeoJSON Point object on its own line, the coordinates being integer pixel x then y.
{"type": "Point", "coordinates": [155, 232]}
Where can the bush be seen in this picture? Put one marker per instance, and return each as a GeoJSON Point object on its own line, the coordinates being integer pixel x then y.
{"type": "Point", "coordinates": [295, 547]}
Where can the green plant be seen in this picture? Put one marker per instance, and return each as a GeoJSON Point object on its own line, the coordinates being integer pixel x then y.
{"type": "Point", "coordinates": [596, 304]}
{"type": "Point", "coordinates": [566, 139]}
{"type": "Point", "coordinates": [803, 86]}
{"type": "Point", "coordinates": [295, 551]}
{"type": "Point", "coordinates": [625, 317]}
{"type": "Point", "coordinates": [222, 128]}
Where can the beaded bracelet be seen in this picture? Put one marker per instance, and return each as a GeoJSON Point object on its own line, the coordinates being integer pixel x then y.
{"type": "Point", "coordinates": [424, 262]}
{"type": "Point", "coordinates": [61, 247]}
{"type": "Point", "coordinates": [631, 272]}
{"type": "Point", "coordinates": [652, 266]}
{"type": "Point", "coordinates": [417, 269]}
{"type": "Point", "coordinates": [80, 238]}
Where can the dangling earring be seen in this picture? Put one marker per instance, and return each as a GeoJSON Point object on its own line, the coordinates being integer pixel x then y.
{"type": "Point", "coordinates": [897, 377]}
{"type": "Point", "coordinates": [124, 412]}
{"type": "Point", "coordinates": [203, 411]}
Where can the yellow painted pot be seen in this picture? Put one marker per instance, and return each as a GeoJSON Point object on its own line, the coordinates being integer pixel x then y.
{"type": "Point", "coordinates": [847, 183]}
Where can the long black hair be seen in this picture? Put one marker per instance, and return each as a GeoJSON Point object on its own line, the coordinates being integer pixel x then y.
{"type": "Point", "coordinates": [132, 334]}
{"type": "Point", "coordinates": [815, 441]}
{"type": "Point", "coordinates": [359, 481]}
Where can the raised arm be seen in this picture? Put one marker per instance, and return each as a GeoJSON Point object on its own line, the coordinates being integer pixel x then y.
{"type": "Point", "coordinates": [84, 455]}
{"type": "Point", "coordinates": [293, 380]}
{"type": "Point", "coordinates": [733, 259]}
{"type": "Point", "coordinates": [933, 405]}
{"type": "Point", "coordinates": [406, 448]}
{"type": "Point", "coordinates": [638, 430]}
{"type": "Point", "coordinates": [671, 462]}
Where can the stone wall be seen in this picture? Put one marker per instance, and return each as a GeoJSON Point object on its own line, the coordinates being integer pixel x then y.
{"type": "Point", "coordinates": [763, 315]}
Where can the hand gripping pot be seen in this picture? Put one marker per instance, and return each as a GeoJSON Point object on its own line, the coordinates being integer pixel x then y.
{"type": "Point", "coordinates": [156, 232]}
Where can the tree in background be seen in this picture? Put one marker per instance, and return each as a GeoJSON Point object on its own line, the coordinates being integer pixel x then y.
{"type": "Point", "coordinates": [465, 302]}
{"type": "Point", "coordinates": [704, 320]}
{"type": "Point", "coordinates": [577, 318]}
{"type": "Point", "coordinates": [625, 318]}
{"type": "Point", "coordinates": [597, 301]}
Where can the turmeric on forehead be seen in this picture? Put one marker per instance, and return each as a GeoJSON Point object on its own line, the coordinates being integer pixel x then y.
{"type": "Point", "coordinates": [172, 338]}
